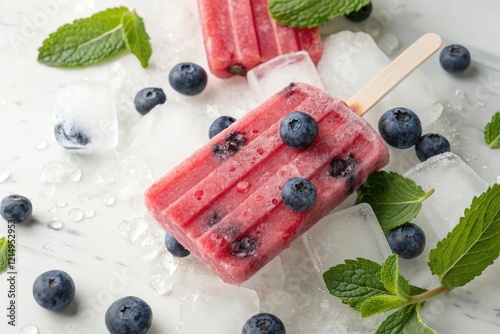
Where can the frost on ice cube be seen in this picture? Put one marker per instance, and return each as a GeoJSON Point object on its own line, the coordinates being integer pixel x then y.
{"type": "Point", "coordinates": [347, 234]}
{"type": "Point", "coordinates": [350, 60]}
{"type": "Point", "coordinates": [216, 306]}
{"type": "Point", "coordinates": [272, 76]}
{"type": "Point", "coordinates": [84, 117]}
{"type": "Point", "coordinates": [147, 234]}
{"type": "Point", "coordinates": [170, 133]}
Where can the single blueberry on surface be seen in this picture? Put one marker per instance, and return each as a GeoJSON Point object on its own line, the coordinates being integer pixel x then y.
{"type": "Point", "coordinates": [174, 247]}
{"type": "Point", "coordinates": [219, 124]}
{"type": "Point", "coordinates": [454, 58]}
{"type": "Point", "coordinates": [129, 315]}
{"type": "Point", "coordinates": [362, 14]}
{"type": "Point", "coordinates": [148, 98]}
{"type": "Point", "coordinates": [70, 136]}
{"type": "Point", "coordinates": [54, 290]}
{"type": "Point", "coordinates": [298, 129]}
{"type": "Point", "coordinates": [408, 241]}
{"type": "Point", "coordinates": [400, 127]}
{"type": "Point", "coordinates": [264, 323]}
{"type": "Point", "coordinates": [16, 208]}
{"type": "Point", "coordinates": [188, 78]}
{"type": "Point", "coordinates": [431, 144]}
{"type": "Point", "coordinates": [299, 194]}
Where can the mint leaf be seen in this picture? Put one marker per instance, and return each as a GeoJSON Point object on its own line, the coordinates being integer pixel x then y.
{"type": "Point", "coordinates": [136, 37]}
{"type": "Point", "coordinates": [472, 245]}
{"type": "Point", "coordinates": [380, 304]}
{"type": "Point", "coordinates": [392, 280]}
{"type": "Point", "coordinates": [415, 324]}
{"type": "Point", "coordinates": [395, 323]}
{"type": "Point", "coordinates": [394, 198]}
{"type": "Point", "coordinates": [310, 13]}
{"type": "Point", "coordinates": [4, 254]}
{"type": "Point", "coordinates": [355, 281]}
{"type": "Point", "coordinates": [492, 132]}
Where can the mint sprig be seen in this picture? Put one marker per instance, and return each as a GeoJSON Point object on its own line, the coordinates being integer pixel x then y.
{"type": "Point", "coordinates": [96, 38]}
{"type": "Point", "coordinates": [492, 132]}
{"type": "Point", "coordinates": [311, 13]}
{"type": "Point", "coordinates": [472, 245]}
{"type": "Point", "coordinates": [4, 254]}
{"type": "Point", "coordinates": [460, 257]}
{"type": "Point", "coordinates": [395, 199]}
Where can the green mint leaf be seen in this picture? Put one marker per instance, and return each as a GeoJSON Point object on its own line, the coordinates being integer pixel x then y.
{"type": "Point", "coordinates": [472, 245]}
{"type": "Point", "coordinates": [415, 290]}
{"type": "Point", "coordinates": [415, 324]}
{"type": "Point", "coordinates": [4, 254]}
{"type": "Point", "coordinates": [310, 13]}
{"type": "Point", "coordinates": [394, 198]}
{"type": "Point", "coordinates": [85, 41]}
{"type": "Point", "coordinates": [380, 304]}
{"type": "Point", "coordinates": [355, 281]}
{"type": "Point", "coordinates": [392, 280]}
{"type": "Point", "coordinates": [395, 323]}
{"type": "Point", "coordinates": [492, 132]}
{"type": "Point", "coordinates": [136, 37]}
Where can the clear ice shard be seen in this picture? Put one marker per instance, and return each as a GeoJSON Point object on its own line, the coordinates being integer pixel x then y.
{"type": "Point", "coordinates": [272, 76]}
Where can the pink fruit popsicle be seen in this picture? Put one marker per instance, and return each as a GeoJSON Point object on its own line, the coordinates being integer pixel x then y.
{"type": "Point", "coordinates": [240, 34]}
{"type": "Point", "coordinates": [224, 203]}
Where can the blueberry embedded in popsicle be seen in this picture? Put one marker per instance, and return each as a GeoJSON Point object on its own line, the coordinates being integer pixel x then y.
{"type": "Point", "coordinates": [244, 247]}
{"type": "Point", "coordinates": [231, 145]}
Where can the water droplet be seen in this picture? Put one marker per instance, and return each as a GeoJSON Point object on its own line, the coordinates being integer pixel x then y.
{"type": "Point", "coordinates": [56, 225]}
{"type": "Point", "coordinates": [259, 198]}
{"type": "Point", "coordinates": [46, 246]}
{"type": "Point", "coordinates": [89, 213]}
{"type": "Point", "coordinates": [52, 209]}
{"type": "Point", "coordinates": [29, 329]}
{"type": "Point", "coordinates": [459, 93]}
{"type": "Point", "coordinates": [485, 167]}
{"type": "Point", "coordinates": [4, 175]}
{"type": "Point", "coordinates": [108, 199]}
{"type": "Point", "coordinates": [75, 214]}
{"type": "Point", "coordinates": [274, 201]}
{"type": "Point", "coordinates": [260, 151]}
{"type": "Point", "coordinates": [480, 104]}
{"type": "Point", "coordinates": [61, 204]}
{"type": "Point", "coordinates": [41, 145]}
{"type": "Point", "coordinates": [243, 186]}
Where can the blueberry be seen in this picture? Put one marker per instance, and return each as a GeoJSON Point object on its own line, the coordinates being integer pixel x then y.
{"type": "Point", "coordinates": [430, 145]}
{"type": "Point", "coordinates": [71, 136]}
{"type": "Point", "coordinates": [244, 247]}
{"type": "Point", "coordinates": [220, 124]}
{"type": "Point", "coordinates": [230, 146]}
{"type": "Point", "coordinates": [188, 78]}
{"type": "Point", "coordinates": [148, 98]}
{"type": "Point", "coordinates": [299, 194]}
{"type": "Point", "coordinates": [16, 208]}
{"type": "Point", "coordinates": [408, 241]}
{"type": "Point", "coordinates": [400, 127]}
{"type": "Point", "coordinates": [454, 58]}
{"type": "Point", "coordinates": [298, 129]}
{"type": "Point", "coordinates": [54, 290]}
{"type": "Point", "coordinates": [362, 14]}
{"type": "Point", "coordinates": [129, 315]}
{"type": "Point", "coordinates": [264, 323]}
{"type": "Point", "coordinates": [174, 247]}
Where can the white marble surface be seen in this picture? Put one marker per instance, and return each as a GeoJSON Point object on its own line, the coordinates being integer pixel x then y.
{"type": "Point", "coordinates": [106, 266]}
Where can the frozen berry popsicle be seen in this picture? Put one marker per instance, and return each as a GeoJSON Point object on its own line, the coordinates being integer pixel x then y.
{"type": "Point", "coordinates": [224, 203]}
{"type": "Point", "coordinates": [240, 34]}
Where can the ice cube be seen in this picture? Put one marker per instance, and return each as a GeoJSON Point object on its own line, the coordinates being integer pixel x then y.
{"type": "Point", "coordinates": [146, 233]}
{"type": "Point", "coordinates": [217, 307]}
{"type": "Point", "coordinates": [350, 60]}
{"type": "Point", "coordinates": [84, 117]}
{"type": "Point", "coordinates": [268, 279]}
{"type": "Point", "coordinates": [168, 272]}
{"type": "Point", "coordinates": [347, 234]}
{"type": "Point", "coordinates": [274, 75]}
{"type": "Point", "coordinates": [455, 185]}
{"type": "Point", "coordinates": [170, 133]}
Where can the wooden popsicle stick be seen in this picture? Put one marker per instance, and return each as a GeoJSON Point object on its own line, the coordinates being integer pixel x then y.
{"type": "Point", "coordinates": [394, 73]}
